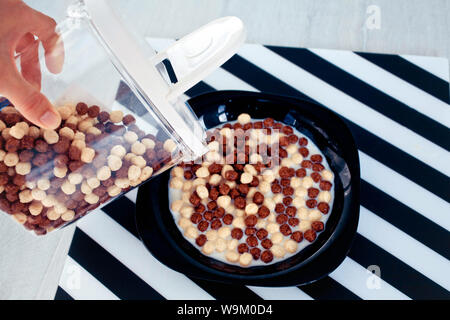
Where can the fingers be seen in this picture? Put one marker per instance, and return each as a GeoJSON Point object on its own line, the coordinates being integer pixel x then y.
{"type": "Point", "coordinates": [28, 48]}
{"type": "Point", "coordinates": [44, 28]}
{"type": "Point", "coordinates": [29, 101]}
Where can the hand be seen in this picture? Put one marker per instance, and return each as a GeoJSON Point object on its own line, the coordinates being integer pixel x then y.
{"type": "Point", "coordinates": [20, 25]}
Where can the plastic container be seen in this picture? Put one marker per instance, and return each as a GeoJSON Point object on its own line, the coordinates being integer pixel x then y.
{"type": "Point", "coordinates": [104, 148]}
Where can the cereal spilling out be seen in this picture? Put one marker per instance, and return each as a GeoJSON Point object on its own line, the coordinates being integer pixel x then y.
{"type": "Point", "coordinates": [260, 195]}
{"type": "Point", "coordinates": [49, 178]}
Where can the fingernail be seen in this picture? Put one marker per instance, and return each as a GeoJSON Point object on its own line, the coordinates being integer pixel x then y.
{"type": "Point", "coordinates": [49, 119]}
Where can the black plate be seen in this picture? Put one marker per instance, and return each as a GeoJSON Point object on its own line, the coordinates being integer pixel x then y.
{"type": "Point", "coordinates": [163, 239]}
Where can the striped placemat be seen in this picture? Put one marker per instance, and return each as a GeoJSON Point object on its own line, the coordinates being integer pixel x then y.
{"type": "Point", "coordinates": [398, 110]}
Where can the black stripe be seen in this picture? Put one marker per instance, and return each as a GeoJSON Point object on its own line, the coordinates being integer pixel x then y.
{"type": "Point", "coordinates": [395, 272]}
{"type": "Point", "coordinates": [108, 270]}
{"type": "Point", "coordinates": [222, 291]}
{"type": "Point", "coordinates": [198, 89]}
{"type": "Point", "coordinates": [120, 209]}
{"type": "Point", "coordinates": [61, 294]}
{"type": "Point", "coordinates": [404, 218]}
{"type": "Point", "coordinates": [368, 95]}
{"type": "Point", "coordinates": [411, 73]}
{"type": "Point", "coordinates": [328, 289]}
{"type": "Point", "coordinates": [408, 166]}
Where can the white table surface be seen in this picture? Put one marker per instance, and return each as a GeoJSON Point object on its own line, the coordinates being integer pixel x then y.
{"type": "Point", "coordinates": [30, 267]}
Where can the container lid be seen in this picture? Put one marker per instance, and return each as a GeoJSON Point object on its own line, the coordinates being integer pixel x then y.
{"type": "Point", "coordinates": [192, 59]}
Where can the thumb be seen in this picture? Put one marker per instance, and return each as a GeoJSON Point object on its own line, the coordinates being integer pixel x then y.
{"type": "Point", "coordinates": [30, 102]}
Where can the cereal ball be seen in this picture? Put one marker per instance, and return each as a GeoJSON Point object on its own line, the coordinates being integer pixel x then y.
{"type": "Point", "coordinates": [51, 136]}
{"type": "Point", "coordinates": [130, 137]}
{"type": "Point", "coordinates": [49, 201]}
{"type": "Point", "coordinates": [116, 116]}
{"type": "Point", "coordinates": [202, 192]}
{"type": "Point", "coordinates": [11, 159]}
{"type": "Point", "coordinates": [122, 183]}
{"type": "Point", "coordinates": [327, 175]}
{"type": "Point", "coordinates": [202, 172]}
{"type": "Point", "coordinates": [138, 148]}
{"type": "Point", "coordinates": [224, 232]}
{"type": "Point", "coordinates": [114, 162]}
{"type": "Point", "coordinates": [20, 218]}
{"type": "Point", "coordinates": [251, 209]}
{"type": "Point", "coordinates": [278, 251]}
{"type": "Point", "coordinates": [324, 196]}
{"type": "Point", "coordinates": [146, 173]}
{"type": "Point", "coordinates": [43, 184]}
{"type": "Point", "coordinates": [134, 172]}
{"type": "Point", "coordinates": [68, 188]}
{"type": "Point", "coordinates": [170, 145]}
{"type": "Point", "coordinates": [25, 196]}
{"type": "Point", "coordinates": [291, 246]}
{"type": "Point", "coordinates": [314, 215]}
{"type": "Point", "coordinates": [118, 151]}
{"type": "Point", "coordinates": [82, 108]}
{"type": "Point", "coordinates": [65, 112]}
{"type": "Point", "coordinates": [38, 194]}
{"type": "Point", "coordinates": [67, 216]}
{"type": "Point", "coordinates": [191, 233]}
{"type": "Point", "coordinates": [140, 162]}
{"type": "Point", "coordinates": [232, 244]}
{"type": "Point", "coordinates": [94, 131]}
{"type": "Point", "coordinates": [215, 179]}
{"type": "Point", "coordinates": [301, 192]}
{"type": "Point", "coordinates": [245, 259]}
{"type": "Point", "coordinates": [60, 172]}
{"type": "Point", "coordinates": [307, 182]}
{"type": "Point", "coordinates": [75, 178]}
{"type": "Point", "coordinates": [148, 143]}
{"type": "Point", "coordinates": [304, 225]}
{"type": "Point", "coordinates": [208, 247]}
{"type": "Point", "coordinates": [244, 118]}
{"type": "Point", "coordinates": [80, 144]}
{"type": "Point", "coordinates": [273, 227]}
{"type": "Point", "coordinates": [114, 191]}
{"type": "Point", "coordinates": [223, 201]}
{"type": "Point", "coordinates": [18, 131]}
{"type": "Point", "coordinates": [246, 178]}
{"type": "Point", "coordinates": [232, 256]}
{"type": "Point", "coordinates": [91, 198]}
{"type": "Point", "coordinates": [23, 168]}
{"type": "Point", "coordinates": [85, 188]}
{"type": "Point", "coordinates": [128, 120]}
{"type": "Point", "coordinates": [5, 133]}
{"type": "Point", "coordinates": [277, 238]}
{"type": "Point", "coordinates": [93, 182]}
{"type": "Point", "coordinates": [35, 208]}
{"type": "Point", "coordinates": [298, 202]}
{"type": "Point", "coordinates": [104, 173]}
{"type": "Point", "coordinates": [87, 155]}
{"type": "Point", "coordinates": [221, 245]}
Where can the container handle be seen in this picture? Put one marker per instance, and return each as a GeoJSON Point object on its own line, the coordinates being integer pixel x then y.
{"type": "Point", "coordinates": [198, 54]}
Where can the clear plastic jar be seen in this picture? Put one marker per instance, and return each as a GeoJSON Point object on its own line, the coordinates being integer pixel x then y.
{"type": "Point", "coordinates": [103, 148]}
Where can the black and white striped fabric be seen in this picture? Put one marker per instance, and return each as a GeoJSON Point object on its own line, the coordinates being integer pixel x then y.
{"type": "Point", "coordinates": [398, 110]}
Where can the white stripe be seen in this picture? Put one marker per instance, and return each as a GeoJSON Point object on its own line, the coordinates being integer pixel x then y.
{"type": "Point", "coordinates": [404, 247]}
{"type": "Point", "coordinates": [435, 65]}
{"type": "Point", "coordinates": [404, 190]}
{"type": "Point", "coordinates": [132, 253]}
{"type": "Point", "coordinates": [81, 285]}
{"type": "Point", "coordinates": [388, 83]}
{"type": "Point", "coordinates": [348, 107]}
{"type": "Point", "coordinates": [287, 293]}
{"type": "Point", "coordinates": [357, 279]}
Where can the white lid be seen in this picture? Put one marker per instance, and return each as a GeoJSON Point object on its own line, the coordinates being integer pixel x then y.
{"type": "Point", "coordinates": [192, 58]}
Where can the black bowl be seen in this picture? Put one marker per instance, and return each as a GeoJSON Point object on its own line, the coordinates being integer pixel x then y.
{"type": "Point", "coordinates": [163, 239]}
